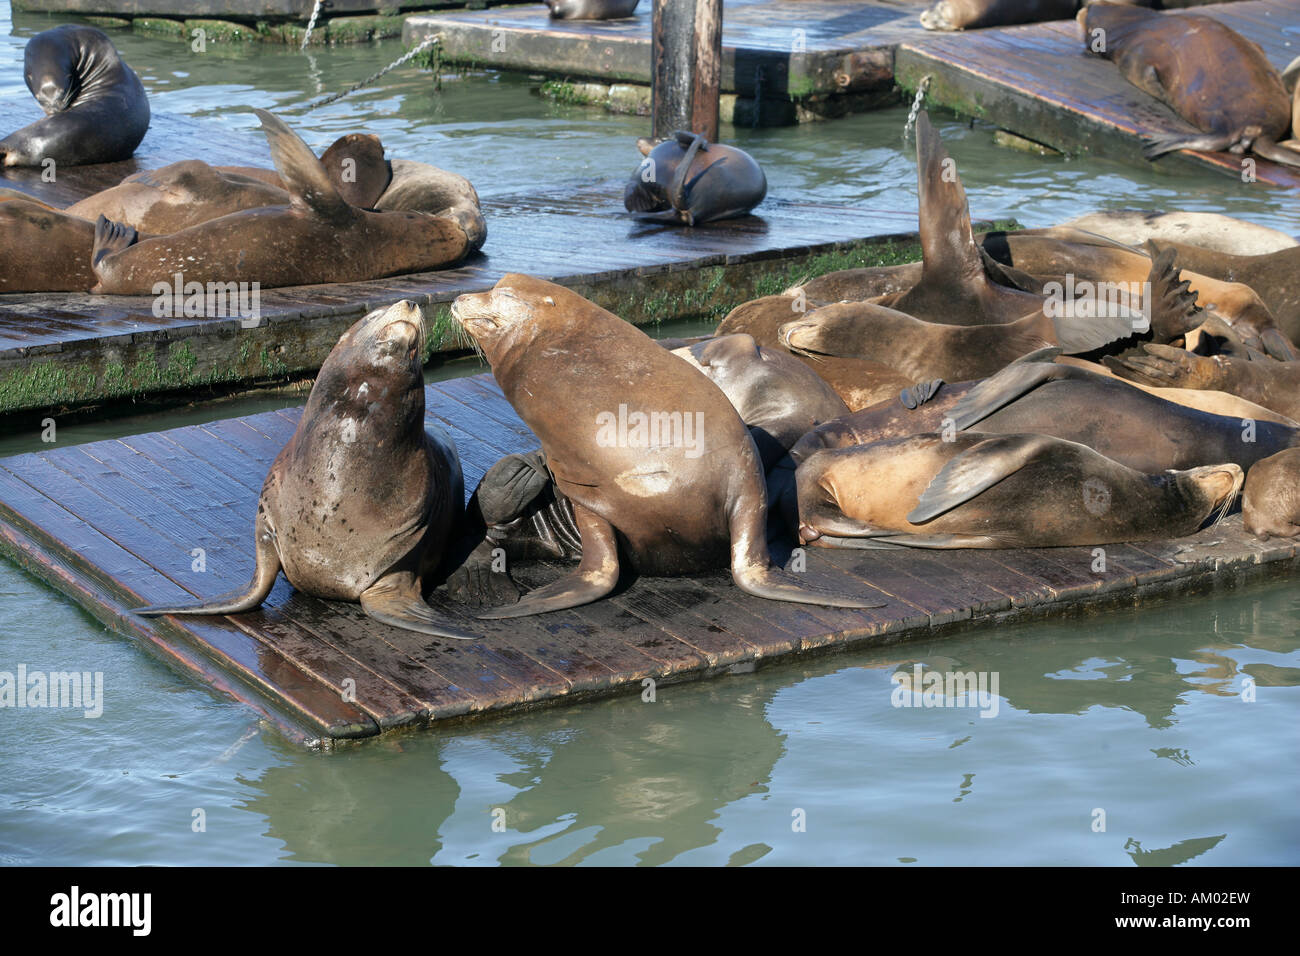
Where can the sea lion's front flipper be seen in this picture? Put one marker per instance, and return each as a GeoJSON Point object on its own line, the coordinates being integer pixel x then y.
{"type": "Point", "coordinates": [1263, 146]}
{"type": "Point", "coordinates": [304, 176]}
{"type": "Point", "coordinates": [595, 576]}
{"type": "Point", "coordinates": [677, 190]}
{"type": "Point", "coordinates": [1163, 366]}
{"type": "Point", "coordinates": [920, 393]}
{"type": "Point", "coordinates": [1174, 311]}
{"type": "Point", "coordinates": [110, 237]}
{"type": "Point", "coordinates": [976, 470]}
{"type": "Point", "coordinates": [1019, 378]}
{"type": "Point", "coordinates": [895, 541]}
{"type": "Point", "coordinates": [265, 569]}
{"type": "Point", "coordinates": [395, 600]}
{"type": "Point", "coordinates": [1278, 346]}
{"type": "Point", "coordinates": [948, 248]}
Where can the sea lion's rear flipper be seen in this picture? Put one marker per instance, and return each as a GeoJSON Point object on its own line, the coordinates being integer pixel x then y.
{"type": "Point", "coordinates": [1263, 146]}
{"type": "Point", "coordinates": [976, 470]}
{"type": "Point", "coordinates": [1174, 311]}
{"type": "Point", "coordinates": [1278, 346]}
{"type": "Point", "coordinates": [997, 391]}
{"type": "Point", "coordinates": [896, 541]}
{"type": "Point", "coordinates": [233, 602]}
{"type": "Point", "coordinates": [1163, 366]}
{"type": "Point", "coordinates": [595, 576]}
{"type": "Point", "coordinates": [303, 175]}
{"type": "Point", "coordinates": [678, 190]}
{"type": "Point", "coordinates": [920, 393]}
{"type": "Point", "coordinates": [393, 600]}
{"type": "Point", "coordinates": [1153, 147]}
{"type": "Point", "coordinates": [1008, 275]}
{"type": "Point", "coordinates": [510, 486]}
{"type": "Point", "coordinates": [110, 237]}
{"type": "Point", "coordinates": [356, 166]}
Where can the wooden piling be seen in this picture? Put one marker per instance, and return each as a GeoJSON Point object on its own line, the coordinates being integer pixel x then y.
{"type": "Point", "coordinates": [686, 49]}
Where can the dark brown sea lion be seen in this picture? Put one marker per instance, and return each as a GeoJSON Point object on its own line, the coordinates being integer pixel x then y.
{"type": "Point", "coordinates": [688, 179]}
{"type": "Point", "coordinates": [998, 491]}
{"type": "Point", "coordinates": [360, 503]}
{"type": "Point", "coordinates": [974, 14]}
{"type": "Point", "coordinates": [318, 238]}
{"type": "Point", "coordinates": [591, 9]}
{"type": "Point", "coordinates": [1035, 395]}
{"type": "Point", "coordinates": [1273, 384]}
{"type": "Point", "coordinates": [858, 382]}
{"type": "Point", "coordinates": [661, 472]}
{"type": "Point", "coordinates": [44, 249]}
{"type": "Point", "coordinates": [96, 108]}
{"type": "Point", "coordinates": [1270, 506]}
{"type": "Point", "coordinates": [356, 166]}
{"type": "Point", "coordinates": [1215, 79]}
{"type": "Point", "coordinates": [778, 397]}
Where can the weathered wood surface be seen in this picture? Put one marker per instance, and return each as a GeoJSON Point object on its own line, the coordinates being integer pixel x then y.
{"type": "Point", "coordinates": [116, 524]}
{"type": "Point", "coordinates": [238, 9]}
{"type": "Point", "coordinates": [687, 67]}
{"type": "Point", "coordinates": [775, 47]}
{"type": "Point", "coordinates": [71, 348]}
{"type": "Point", "coordinates": [1038, 82]}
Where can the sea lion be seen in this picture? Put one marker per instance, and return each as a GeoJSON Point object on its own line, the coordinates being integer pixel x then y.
{"type": "Point", "coordinates": [974, 14]}
{"type": "Point", "coordinates": [688, 179]}
{"type": "Point", "coordinates": [1270, 506]}
{"type": "Point", "coordinates": [1273, 384]}
{"type": "Point", "coordinates": [1215, 79]}
{"type": "Point", "coordinates": [777, 397]}
{"type": "Point", "coordinates": [1036, 395]}
{"type": "Point", "coordinates": [361, 501]}
{"type": "Point", "coordinates": [858, 382]}
{"type": "Point", "coordinates": [419, 187]}
{"type": "Point", "coordinates": [356, 166]}
{"type": "Point", "coordinates": [661, 472]}
{"type": "Point", "coordinates": [44, 249]}
{"type": "Point", "coordinates": [1207, 230]}
{"type": "Point", "coordinates": [998, 491]}
{"type": "Point", "coordinates": [96, 108]}
{"type": "Point", "coordinates": [317, 238]}
{"type": "Point", "coordinates": [591, 9]}
{"type": "Point", "coordinates": [859, 284]}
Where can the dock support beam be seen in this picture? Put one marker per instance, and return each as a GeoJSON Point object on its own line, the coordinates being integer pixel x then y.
{"type": "Point", "coordinates": [687, 67]}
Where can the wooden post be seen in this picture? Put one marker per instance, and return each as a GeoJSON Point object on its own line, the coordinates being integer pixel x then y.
{"type": "Point", "coordinates": [687, 67]}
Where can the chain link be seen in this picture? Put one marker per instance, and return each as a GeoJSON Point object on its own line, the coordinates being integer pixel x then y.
{"type": "Point", "coordinates": [916, 106]}
{"type": "Point", "coordinates": [422, 45]}
{"type": "Point", "coordinates": [311, 25]}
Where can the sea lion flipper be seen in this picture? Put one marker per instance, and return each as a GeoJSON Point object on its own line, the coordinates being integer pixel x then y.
{"type": "Point", "coordinates": [948, 247]}
{"type": "Point", "coordinates": [265, 569]}
{"type": "Point", "coordinates": [304, 176]}
{"type": "Point", "coordinates": [356, 166]}
{"type": "Point", "coordinates": [920, 393]}
{"type": "Point", "coordinates": [110, 237]}
{"type": "Point", "coordinates": [974, 471]}
{"type": "Point", "coordinates": [775, 585]}
{"type": "Point", "coordinates": [1263, 146]}
{"type": "Point", "coordinates": [510, 486]}
{"type": "Point", "coordinates": [997, 391]}
{"type": "Point", "coordinates": [678, 191]}
{"type": "Point", "coordinates": [392, 601]}
{"type": "Point", "coordinates": [1174, 311]}
{"type": "Point", "coordinates": [595, 576]}
{"type": "Point", "coordinates": [1278, 346]}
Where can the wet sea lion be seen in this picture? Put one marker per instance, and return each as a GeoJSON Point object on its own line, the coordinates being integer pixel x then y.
{"type": "Point", "coordinates": [776, 396]}
{"type": "Point", "coordinates": [317, 238]}
{"type": "Point", "coordinates": [858, 382]}
{"type": "Point", "coordinates": [974, 14]}
{"type": "Point", "coordinates": [1273, 384]}
{"type": "Point", "coordinates": [688, 179]}
{"type": "Point", "coordinates": [998, 491]}
{"type": "Point", "coordinates": [1270, 506]}
{"type": "Point", "coordinates": [675, 489]}
{"type": "Point", "coordinates": [1207, 230]}
{"type": "Point", "coordinates": [1035, 395]}
{"type": "Point", "coordinates": [361, 501]}
{"type": "Point", "coordinates": [1215, 79]}
{"type": "Point", "coordinates": [96, 108]}
{"type": "Point", "coordinates": [591, 9]}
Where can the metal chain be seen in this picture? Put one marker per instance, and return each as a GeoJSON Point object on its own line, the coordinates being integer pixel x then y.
{"type": "Point", "coordinates": [916, 106]}
{"type": "Point", "coordinates": [311, 25]}
{"type": "Point", "coordinates": [426, 42]}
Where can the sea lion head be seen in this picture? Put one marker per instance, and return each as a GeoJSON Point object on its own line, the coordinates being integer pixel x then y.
{"type": "Point", "coordinates": [1271, 505]}
{"type": "Point", "coordinates": [511, 314]}
{"type": "Point", "coordinates": [941, 16]}
{"type": "Point", "coordinates": [1214, 487]}
{"type": "Point", "coordinates": [51, 63]}
{"type": "Point", "coordinates": [823, 330]}
{"type": "Point", "coordinates": [377, 362]}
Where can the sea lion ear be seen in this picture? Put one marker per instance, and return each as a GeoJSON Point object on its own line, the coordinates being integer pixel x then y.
{"type": "Point", "coordinates": [303, 175]}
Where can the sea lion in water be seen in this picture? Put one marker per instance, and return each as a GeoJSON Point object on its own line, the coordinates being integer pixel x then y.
{"type": "Point", "coordinates": [591, 9]}
{"type": "Point", "coordinates": [974, 14]}
{"type": "Point", "coordinates": [998, 491]}
{"type": "Point", "coordinates": [1270, 506]}
{"type": "Point", "coordinates": [359, 504]}
{"type": "Point", "coordinates": [1273, 384]}
{"type": "Point", "coordinates": [96, 108]}
{"type": "Point", "coordinates": [688, 179]}
{"type": "Point", "coordinates": [777, 397]}
{"type": "Point", "coordinates": [317, 238]}
{"type": "Point", "coordinates": [1215, 79]}
{"type": "Point", "coordinates": [661, 472]}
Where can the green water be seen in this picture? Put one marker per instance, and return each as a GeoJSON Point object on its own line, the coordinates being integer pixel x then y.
{"type": "Point", "coordinates": [1154, 737]}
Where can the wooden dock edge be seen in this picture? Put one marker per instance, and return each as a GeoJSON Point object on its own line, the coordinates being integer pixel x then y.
{"type": "Point", "coordinates": [220, 353]}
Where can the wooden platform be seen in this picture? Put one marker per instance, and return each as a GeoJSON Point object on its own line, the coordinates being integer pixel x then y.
{"type": "Point", "coordinates": [67, 349]}
{"type": "Point", "coordinates": [775, 47]}
{"type": "Point", "coordinates": [115, 524]}
{"type": "Point", "coordinates": [247, 10]}
{"type": "Point", "coordinates": [1038, 82]}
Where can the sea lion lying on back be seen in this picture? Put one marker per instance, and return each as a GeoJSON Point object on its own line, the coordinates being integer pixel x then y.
{"type": "Point", "coordinates": [1215, 79]}
{"type": "Point", "coordinates": [688, 179]}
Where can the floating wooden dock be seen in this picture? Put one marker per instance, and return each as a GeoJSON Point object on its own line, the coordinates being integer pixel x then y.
{"type": "Point", "coordinates": [246, 10]}
{"type": "Point", "coordinates": [769, 47]}
{"type": "Point", "coordinates": [70, 349]}
{"type": "Point", "coordinates": [1038, 82]}
{"type": "Point", "coordinates": [116, 524]}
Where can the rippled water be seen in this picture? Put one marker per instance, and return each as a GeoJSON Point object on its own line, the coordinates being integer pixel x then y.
{"type": "Point", "coordinates": [1139, 715]}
